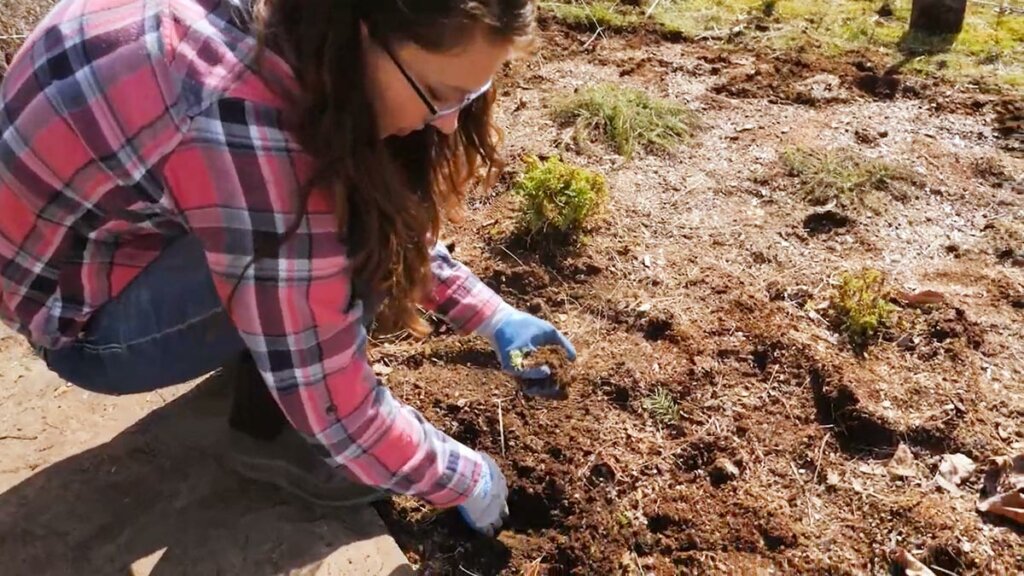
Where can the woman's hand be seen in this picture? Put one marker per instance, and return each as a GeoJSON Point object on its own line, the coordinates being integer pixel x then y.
{"type": "Point", "coordinates": [487, 508]}
{"type": "Point", "coordinates": [516, 334]}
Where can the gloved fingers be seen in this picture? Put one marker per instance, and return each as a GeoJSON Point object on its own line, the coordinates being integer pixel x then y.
{"type": "Point", "coordinates": [553, 337]}
{"type": "Point", "coordinates": [536, 373]}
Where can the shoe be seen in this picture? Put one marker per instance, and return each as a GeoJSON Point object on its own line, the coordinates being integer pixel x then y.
{"type": "Point", "coordinates": [263, 446]}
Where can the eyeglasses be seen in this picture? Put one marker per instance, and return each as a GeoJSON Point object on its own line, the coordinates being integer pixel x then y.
{"type": "Point", "coordinates": [435, 112]}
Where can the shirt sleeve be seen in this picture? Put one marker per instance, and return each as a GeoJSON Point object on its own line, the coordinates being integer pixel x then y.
{"type": "Point", "coordinates": [457, 295]}
{"type": "Point", "coordinates": [236, 178]}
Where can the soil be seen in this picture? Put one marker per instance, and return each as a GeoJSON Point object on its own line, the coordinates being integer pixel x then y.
{"type": "Point", "coordinates": [706, 281]}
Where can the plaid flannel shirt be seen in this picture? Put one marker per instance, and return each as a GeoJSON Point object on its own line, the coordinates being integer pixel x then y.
{"type": "Point", "coordinates": [125, 123]}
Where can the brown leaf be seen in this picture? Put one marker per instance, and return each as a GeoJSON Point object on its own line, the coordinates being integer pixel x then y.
{"type": "Point", "coordinates": [922, 298]}
{"type": "Point", "coordinates": [902, 463]}
{"type": "Point", "coordinates": [1004, 474]}
{"type": "Point", "coordinates": [954, 469]}
{"type": "Point", "coordinates": [1008, 504]}
{"type": "Point", "coordinates": [911, 566]}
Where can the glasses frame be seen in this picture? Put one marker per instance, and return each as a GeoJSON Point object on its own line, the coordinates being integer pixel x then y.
{"type": "Point", "coordinates": [435, 112]}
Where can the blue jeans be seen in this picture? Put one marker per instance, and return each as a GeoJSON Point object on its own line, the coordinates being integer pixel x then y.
{"type": "Point", "coordinates": [167, 327]}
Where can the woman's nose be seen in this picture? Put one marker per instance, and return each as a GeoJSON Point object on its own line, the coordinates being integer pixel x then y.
{"type": "Point", "coordinates": [447, 123]}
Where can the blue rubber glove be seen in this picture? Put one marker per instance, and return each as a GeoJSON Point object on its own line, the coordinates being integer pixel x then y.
{"type": "Point", "coordinates": [511, 331]}
{"type": "Point", "coordinates": [487, 508]}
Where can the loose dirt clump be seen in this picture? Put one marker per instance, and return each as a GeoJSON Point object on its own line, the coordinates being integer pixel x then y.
{"type": "Point", "coordinates": [556, 385]}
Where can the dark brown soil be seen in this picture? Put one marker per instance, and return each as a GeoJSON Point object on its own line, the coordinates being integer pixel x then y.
{"type": "Point", "coordinates": [702, 290]}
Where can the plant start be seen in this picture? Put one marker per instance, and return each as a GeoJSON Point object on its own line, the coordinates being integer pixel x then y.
{"type": "Point", "coordinates": [861, 307]}
{"type": "Point", "coordinates": [558, 197]}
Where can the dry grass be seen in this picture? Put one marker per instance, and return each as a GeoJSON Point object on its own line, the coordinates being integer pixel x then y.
{"type": "Point", "coordinates": [845, 177]}
{"type": "Point", "coordinates": [626, 119]}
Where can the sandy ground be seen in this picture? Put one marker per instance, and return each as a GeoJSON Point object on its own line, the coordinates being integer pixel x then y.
{"type": "Point", "coordinates": [137, 485]}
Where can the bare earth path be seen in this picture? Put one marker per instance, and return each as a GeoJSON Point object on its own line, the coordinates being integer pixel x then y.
{"type": "Point", "coordinates": [135, 485]}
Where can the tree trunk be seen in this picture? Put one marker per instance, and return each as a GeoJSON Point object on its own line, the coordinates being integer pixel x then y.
{"type": "Point", "coordinates": [938, 17]}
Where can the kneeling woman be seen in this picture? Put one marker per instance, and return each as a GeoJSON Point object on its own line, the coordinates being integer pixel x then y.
{"type": "Point", "coordinates": [188, 184]}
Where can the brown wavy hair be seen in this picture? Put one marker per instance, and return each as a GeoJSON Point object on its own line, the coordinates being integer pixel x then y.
{"type": "Point", "coordinates": [392, 195]}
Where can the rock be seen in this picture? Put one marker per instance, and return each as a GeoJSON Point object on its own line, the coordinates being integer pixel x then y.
{"type": "Point", "coordinates": [902, 464]}
{"type": "Point", "coordinates": [818, 89]}
{"type": "Point", "coordinates": [865, 136]}
{"type": "Point", "coordinates": [722, 471]}
{"type": "Point", "coordinates": [954, 469]}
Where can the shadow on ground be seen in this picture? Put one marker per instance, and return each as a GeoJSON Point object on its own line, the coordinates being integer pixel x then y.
{"type": "Point", "coordinates": [159, 492]}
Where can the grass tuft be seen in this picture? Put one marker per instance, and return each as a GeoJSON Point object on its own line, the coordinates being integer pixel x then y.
{"type": "Point", "coordinates": [626, 119]}
{"type": "Point", "coordinates": [844, 177]}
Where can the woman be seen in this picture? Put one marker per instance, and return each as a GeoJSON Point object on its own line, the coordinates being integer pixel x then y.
{"type": "Point", "coordinates": [187, 182]}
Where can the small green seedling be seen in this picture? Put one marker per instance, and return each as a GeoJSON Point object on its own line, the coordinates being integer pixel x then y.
{"type": "Point", "coordinates": [861, 307]}
{"type": "Point", "coordinates": [517, 359]}
{"type": "Point", "coordinates": [626, 119]}
{"type": "Point", "coordinates": [556, 196]}
{"type": "Point", "coordinates": [662, 407]}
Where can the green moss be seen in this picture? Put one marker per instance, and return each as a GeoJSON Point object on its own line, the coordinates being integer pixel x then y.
{"type": "Point", "coordinates": [607, 15]}
{"type": "Point", "coordinates": [556, 196]}
{"type": "Point", "coordinates": [626, 118]}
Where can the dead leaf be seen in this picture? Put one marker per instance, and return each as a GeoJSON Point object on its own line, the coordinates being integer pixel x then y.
{"type": "Point", "coordinates": [1004, 474]}
{"type": "Point", "coordinates": [911, 566]}
{"type": "Point", "coordinates": [382, 369]}
{"type": "Point", "coordinates": [902, 463]}
{"type": "Point", "coordinates": [922, 298]}
{"type": "Point", "coordinates": [1002, 492]}
{"type": "Point", "coordinates": [872, 469]}
{"type": "Point", "coordinates": [1008, 504]}
{"type": "Point", "coordinates": [953, 470]}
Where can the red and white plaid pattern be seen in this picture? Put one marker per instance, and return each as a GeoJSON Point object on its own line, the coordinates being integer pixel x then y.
{"type": "Point", "coordinates": [125, 123]}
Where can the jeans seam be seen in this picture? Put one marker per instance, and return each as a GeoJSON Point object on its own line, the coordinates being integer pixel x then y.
{"type": "Point", "coordinates": [94, 349]}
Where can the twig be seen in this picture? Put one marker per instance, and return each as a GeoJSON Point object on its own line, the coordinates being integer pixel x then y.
{"type": "Point", "coordinates": [14, 37]}
{"type": "Point", "coordinates": [18, 437]}
{"type": "Point", "coordinates": [821, 452]}
{"type": "Point", "coordinates": [943, 570]}
{"type": "Point", "coordinates": [638, 565]}
{"type": "Point", "coordinates": [501, 428]}
{"type": "Point", "coordinates": [467, 571]}
{"type": "Point", "coordinates": [600, 30]}
{"type": "Point", "coordinates": [593, 37]}
{"type": "Point", "coordinates": [516, 258]}
{"type": "Point", "coordinates": [796, 473]}
{"type": "Point", "coordinates": [651, 9]}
